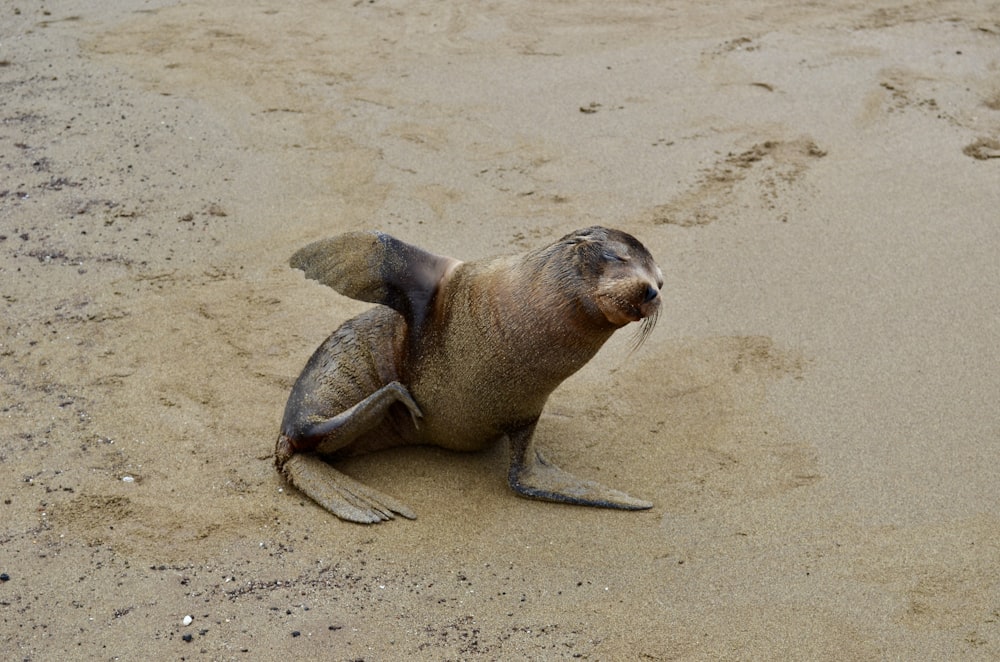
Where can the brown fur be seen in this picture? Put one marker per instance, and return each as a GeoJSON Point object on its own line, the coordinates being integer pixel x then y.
{"type": "Point", "coordinates": [475, 348]}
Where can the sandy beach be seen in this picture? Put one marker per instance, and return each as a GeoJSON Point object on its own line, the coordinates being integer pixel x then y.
{"type": "Point", "coordinates": [815, 416]}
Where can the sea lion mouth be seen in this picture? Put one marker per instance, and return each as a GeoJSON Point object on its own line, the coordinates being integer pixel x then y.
{"type": "Point", "coordinates": [621, 310]}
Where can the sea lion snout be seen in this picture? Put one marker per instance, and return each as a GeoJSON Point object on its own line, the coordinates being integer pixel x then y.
{"type": "Point", "coordinates": [651, 301]}
{"type": "Point", "coordinates": [623, 304]}
{"type": "Point", "coordinates": [650, 305]}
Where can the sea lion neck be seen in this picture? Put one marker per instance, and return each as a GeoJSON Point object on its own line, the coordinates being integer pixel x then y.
{"type": "Point", "coordinates": [520, 313]}
{"type": "Point", "coordinates": [563, 290]}
{"type": "Point", "coordinates": [502, 327]}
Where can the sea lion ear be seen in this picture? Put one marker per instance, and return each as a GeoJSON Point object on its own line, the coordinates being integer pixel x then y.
{"type": "Point", "coordinates": [374, 267]}
{"type": "Point", "coordinates": [586, 235]}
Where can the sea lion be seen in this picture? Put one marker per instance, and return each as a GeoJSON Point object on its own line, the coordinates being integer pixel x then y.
{"type": "Point", "coordinates": [458, 355]}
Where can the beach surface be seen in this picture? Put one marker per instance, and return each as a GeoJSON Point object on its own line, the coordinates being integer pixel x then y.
{"type": "Point", "coordinates": [815, 416]}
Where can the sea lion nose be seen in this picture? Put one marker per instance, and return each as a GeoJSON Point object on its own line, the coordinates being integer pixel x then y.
{"type": "Point", "coordinates": [651, 293]}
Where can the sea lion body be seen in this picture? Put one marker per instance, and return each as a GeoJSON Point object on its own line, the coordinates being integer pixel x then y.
{"type": "Point", "coordinates": [461, 355]}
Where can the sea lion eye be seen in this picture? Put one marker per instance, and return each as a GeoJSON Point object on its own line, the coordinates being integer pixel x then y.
{"type": "Point", "coordinates": [611, 256]}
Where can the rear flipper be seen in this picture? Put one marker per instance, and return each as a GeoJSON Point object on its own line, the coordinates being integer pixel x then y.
{"type": "Point", "coordinates": [343, 496]}
{"type": "Point", "coordinates": [531, 475]}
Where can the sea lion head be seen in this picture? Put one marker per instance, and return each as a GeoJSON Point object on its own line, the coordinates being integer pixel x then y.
{"type": "Point", "coordinates": [620, 280]}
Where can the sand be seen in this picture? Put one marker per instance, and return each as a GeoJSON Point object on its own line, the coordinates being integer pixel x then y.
{"type": "Point", "coordinates": [815, 416]}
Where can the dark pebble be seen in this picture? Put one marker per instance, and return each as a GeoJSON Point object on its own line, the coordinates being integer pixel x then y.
{"type": "Point", "coordinates": [188, 637]}
{"type": "Point", "coordinates": [4, 577]}
{"type": "Point", "coordinates": [296, 633]}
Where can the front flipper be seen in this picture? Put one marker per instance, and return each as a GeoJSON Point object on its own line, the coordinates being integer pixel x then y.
{"type": "Point", "coordinates": [531, 475]}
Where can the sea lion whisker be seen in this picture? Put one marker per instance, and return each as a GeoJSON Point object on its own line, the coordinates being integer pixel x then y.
{"type": "Point", "coordinates": [643, 331]}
